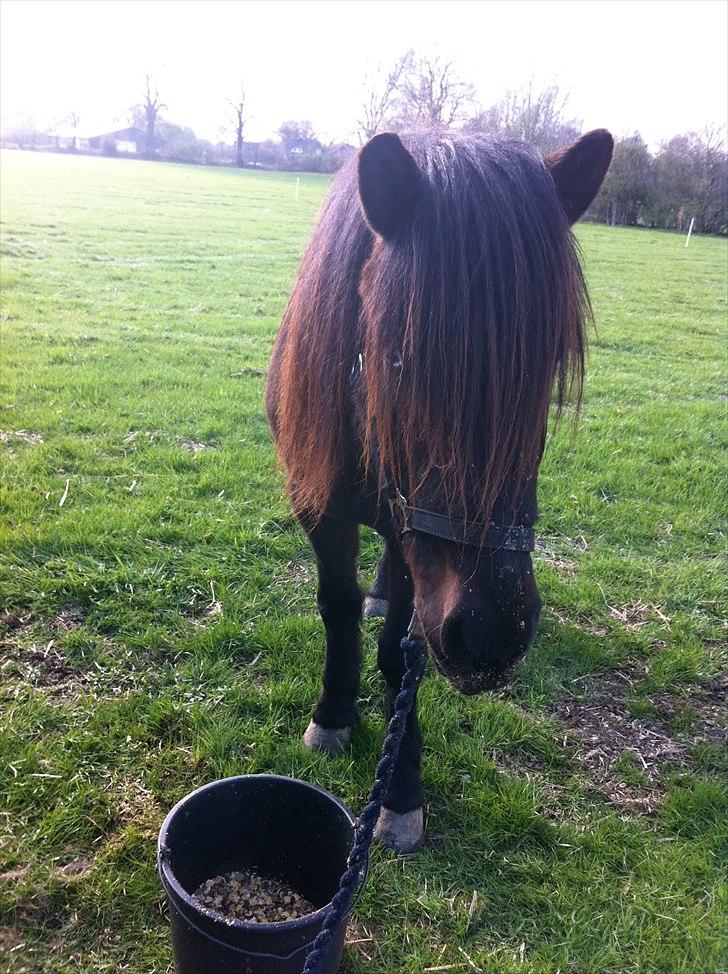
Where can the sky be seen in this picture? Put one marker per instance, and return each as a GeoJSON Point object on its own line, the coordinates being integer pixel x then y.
{"type": "Point", "coordinates": [654, 66]}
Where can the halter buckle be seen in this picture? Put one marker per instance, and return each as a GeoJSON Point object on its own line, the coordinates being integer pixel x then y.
{"type": "Point", "coordinates": [398, 504]}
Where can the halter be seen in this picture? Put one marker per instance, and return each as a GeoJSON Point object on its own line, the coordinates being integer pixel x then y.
{"type": "Point", "coordinates": [474, 534]}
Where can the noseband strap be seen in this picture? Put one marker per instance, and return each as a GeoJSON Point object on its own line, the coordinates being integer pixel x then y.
{"type": "Point", "coordinates": [474, 534]}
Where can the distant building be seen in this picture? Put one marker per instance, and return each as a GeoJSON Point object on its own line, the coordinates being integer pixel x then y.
{"type": "Point", "coordinates": [68, 140]}
{"type": "Point", "coordinates": [123, 142]}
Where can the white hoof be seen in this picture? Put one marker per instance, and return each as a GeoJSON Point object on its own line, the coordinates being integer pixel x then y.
{"type": "Point", "coordinates": [401, 832]}
{"type": "Point", "coordinates": [374, 608]}
{"type": "Point", "coordinates": [330, 740]}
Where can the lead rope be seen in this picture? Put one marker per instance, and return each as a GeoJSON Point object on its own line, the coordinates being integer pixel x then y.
{"type": "Point", "coordinates": [415, 656]}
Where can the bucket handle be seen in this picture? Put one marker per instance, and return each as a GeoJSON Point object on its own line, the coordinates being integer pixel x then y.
{"type": "Point", "coordinates": [276, 957]}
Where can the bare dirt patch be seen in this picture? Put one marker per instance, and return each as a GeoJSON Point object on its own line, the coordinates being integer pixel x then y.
{"type": "Point", "coordinates": [550, 551]}
{"type": "Point", "coordinates": [14, 620]}
{"type": "Point", "coordinates": [202, 614]}
{"type": "Point", "coordinates": [44, 667]}
{"type": "Point", "coordinates": [11, 939]}
{"type": "Point", "coordinates": [16, 875]}
{"type": "Point", "coordinates": [29, 437]}
{"type": "Point", "coordinates": [362, 938]}
{"type": "Point", "coordinates": [69, 618]}
{"type": "Point", "coordinates": [137, 805]}
{"type": "Point", "coordinates": [74, 869]}
{"type": "Point", "coordinates": [249, 370]}
{"type": "Point", "coordinates": [581, 622]}
{"type": "Point", "coordinates": [636, 615]}
{"type": "Point", "coordinates": [203, 606]}
{"type": "Point", "coordinates": [626, 756]}
{"type": "Point", "coordinates": [299, 572]}
{"type": "Point", "coordinates": [195, 446]}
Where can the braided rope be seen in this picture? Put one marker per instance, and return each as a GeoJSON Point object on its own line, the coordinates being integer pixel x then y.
{"type": "Point", "coordinates": [415, 657]}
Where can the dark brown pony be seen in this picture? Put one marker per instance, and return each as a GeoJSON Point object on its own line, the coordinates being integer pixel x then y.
{"type": "Point", "coordinates": [439, 308]}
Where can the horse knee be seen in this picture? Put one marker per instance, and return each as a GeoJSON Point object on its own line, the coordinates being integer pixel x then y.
{"type": "Point", "coordinates": [390, 660]}
{"type": "Point", "coordinates": [344, 608]}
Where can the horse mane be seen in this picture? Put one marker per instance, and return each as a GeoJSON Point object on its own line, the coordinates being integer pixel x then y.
{"type": "Point", "coordinates": [468, 324]}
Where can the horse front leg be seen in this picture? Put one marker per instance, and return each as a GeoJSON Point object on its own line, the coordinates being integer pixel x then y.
{"type": "Point", "coordinates": [400, 825]}
{"type": "Point", "coordinates": [336, 544]}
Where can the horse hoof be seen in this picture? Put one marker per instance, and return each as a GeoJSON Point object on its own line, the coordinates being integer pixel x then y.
{"type": "Point", "coordinates": [374, 607]}
{"type": "Point", "coordinates": [331, 740]}
{"type": "Point", "coordinates": [402, 833]}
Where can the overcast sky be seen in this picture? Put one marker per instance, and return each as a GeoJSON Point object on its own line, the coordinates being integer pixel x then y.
{"type": "Point", "coordinates": [654, 67]}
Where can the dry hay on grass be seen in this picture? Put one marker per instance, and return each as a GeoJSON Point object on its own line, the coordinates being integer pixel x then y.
{"type": "Point", "coordinates": [29, 437]}
{"type": "Point", "coordinates": [42, 667]}
{"type": "Point", "coordinates": [42, 664]}
{"type": "Point", "coordinates": [635, 615]}
{"type": "Point", "coordinates": [196, 446]}
{"type": "Point", "coordinates": [75, 869]}
{"type": "Point", "coordinates": [32, 656]}
{"type": "Point", "coordinates": [550, 549]}
{"type": "Point", "coordinates": [202, 607]}
{"type": "Point", "coordinates": [581, 622]}
{"type": "Point", "coordinates": [68, 619]}
{"type": "Point", "coordinates": [249, 370]}
{"type": "Point", "coordinates": [604, 729]}
{"type": "Point", "coordinates": [14, 620]}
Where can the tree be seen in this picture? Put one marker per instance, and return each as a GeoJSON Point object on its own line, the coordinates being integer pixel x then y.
{"type": "Point", "coordinates": [74, 120]}
{"type": "Point", "coordinates": [301, 148]}
{"type": "Point", "coordinates": [24, 133]}
{"type": "Point", "coordinates": [532, 115]}
{"type": "Point", "coordinates": [418, 92]}
{"type": "Point", "coordinates": [430, 93]}
{"type": "Point", "coordinates": [238, 112]}
{"type": "Point", "coordinates": [379, 99]}
{"type": "Point", "coordinates": [181, 144]}
{"type": "Point", "coordinates": [151, 108]}
{"type": "Point", "coordinates": [691, 181]}
{"type": "Point", "coordinates": [712, 190]}
{"type": "Point", "coordinates": [627, 193]}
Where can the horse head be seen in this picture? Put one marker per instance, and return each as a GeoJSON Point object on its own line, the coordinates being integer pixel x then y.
{"type": "Point", "coordinates": [473, 311]}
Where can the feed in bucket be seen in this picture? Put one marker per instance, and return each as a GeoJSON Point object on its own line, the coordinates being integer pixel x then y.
{"type": "Point", "coordinates": [244, 895]}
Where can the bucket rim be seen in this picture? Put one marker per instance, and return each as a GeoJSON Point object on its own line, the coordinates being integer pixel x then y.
{"type": "Point", "coordinates": [172, 885]}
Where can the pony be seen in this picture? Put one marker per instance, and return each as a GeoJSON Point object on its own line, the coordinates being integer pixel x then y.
{"type": "Point", "coordinates": [440, 311]}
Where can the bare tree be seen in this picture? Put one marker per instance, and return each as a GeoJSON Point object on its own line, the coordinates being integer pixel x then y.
{"type": "Point", "coordinates": [151, 108]}
{"type": "Point", "coordinates": [691, 181]}
{"type": "Point", "coordinates": [379, 98]}
{"type": "Point", "coordinates": [238, 115]}
{"type": "Point", "coordinates": [74, 120]}
{"type": "Point", "coordinates": [535, 116]}
{"type": "Point", "coordinates": [418, 92]}
{"type": "Point", "coordinates": [430, 92]}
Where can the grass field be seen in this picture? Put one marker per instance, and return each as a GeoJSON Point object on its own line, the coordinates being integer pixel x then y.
{"type": "Point", "coordinates": [159, 623]}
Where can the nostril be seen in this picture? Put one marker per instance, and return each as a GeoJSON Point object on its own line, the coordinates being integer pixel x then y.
{"type": "Point", "coordinates": [453, 638]}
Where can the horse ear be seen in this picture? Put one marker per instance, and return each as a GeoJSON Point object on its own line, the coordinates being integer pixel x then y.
{"type": "Point", "coordinates": [390, 184]}
{"type": "Point", "coordinates": [578, 170]}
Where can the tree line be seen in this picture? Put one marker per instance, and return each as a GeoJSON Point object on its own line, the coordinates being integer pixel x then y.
{"type": "Point", "coordinates": [687, 178]}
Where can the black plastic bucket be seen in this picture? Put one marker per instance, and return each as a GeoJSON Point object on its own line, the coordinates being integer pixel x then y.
{"type": "Point", "coordinates": [280, 827]}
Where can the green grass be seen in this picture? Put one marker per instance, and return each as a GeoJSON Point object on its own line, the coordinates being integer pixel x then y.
{"type": "Point", "coordinates": [140, 302]}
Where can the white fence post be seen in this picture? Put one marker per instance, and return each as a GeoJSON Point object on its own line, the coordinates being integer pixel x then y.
{"type": "Point", "coordinates": [690, 231]}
